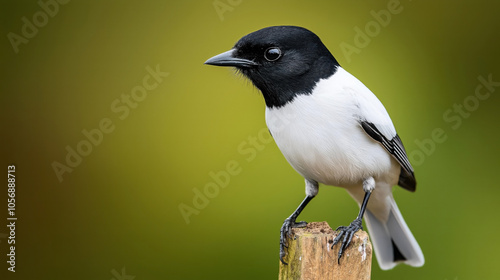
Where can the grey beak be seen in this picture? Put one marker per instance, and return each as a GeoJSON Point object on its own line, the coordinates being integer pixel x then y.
{"type": "Point", "coordinates": [227, 59]}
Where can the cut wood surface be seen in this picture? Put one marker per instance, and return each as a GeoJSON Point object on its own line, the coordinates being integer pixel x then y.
{"type": "Point", "coordinates": [310, 255]}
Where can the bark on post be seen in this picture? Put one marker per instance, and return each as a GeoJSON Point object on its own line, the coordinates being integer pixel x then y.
{"type": "Point", "coordinates": [310, 257]}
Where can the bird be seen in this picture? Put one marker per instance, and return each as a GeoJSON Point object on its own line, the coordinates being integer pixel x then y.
{"type": "Point", "coordinates": [333, 131]}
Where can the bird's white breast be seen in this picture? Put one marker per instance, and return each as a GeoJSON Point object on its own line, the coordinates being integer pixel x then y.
{"type": "Point", "coordinates": [321, 137]}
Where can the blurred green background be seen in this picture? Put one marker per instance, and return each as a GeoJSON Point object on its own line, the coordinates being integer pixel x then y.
{"type": "Point", "coordinates": [116, 214]}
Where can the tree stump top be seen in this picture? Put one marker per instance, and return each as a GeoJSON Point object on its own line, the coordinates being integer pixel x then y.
{"type": "Point", "coordinates": [310, 255]}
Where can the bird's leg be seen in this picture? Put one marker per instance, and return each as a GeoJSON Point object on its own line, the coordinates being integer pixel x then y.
{"type": "Point", "coordinates": [290, 222]}
{"type": "Point", "coordinates": [357, 224]}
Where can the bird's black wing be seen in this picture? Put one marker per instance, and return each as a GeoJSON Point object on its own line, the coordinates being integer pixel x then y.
{"type": "Point", "coordinates": [395, 147]}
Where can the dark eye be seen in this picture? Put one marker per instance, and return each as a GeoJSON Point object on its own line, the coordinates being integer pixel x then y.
{"type": "Point", "coordinates": [272, 54]}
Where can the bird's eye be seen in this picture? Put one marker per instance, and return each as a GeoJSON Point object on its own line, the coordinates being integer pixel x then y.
{"type": "Point", "coordinates": [272, 54]}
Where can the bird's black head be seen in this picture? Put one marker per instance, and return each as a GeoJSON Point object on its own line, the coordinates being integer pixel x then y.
{"type": "Point", "coordinates": [281, 61]}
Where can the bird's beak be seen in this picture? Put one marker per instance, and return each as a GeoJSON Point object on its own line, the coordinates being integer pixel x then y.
{"type": "Point", "coordinates": [228, 59]}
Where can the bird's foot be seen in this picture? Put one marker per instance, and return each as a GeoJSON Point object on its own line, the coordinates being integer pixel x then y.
{"type": "Point", "coordinates": [347, 233]}
{"type": "Point", "coordinates": [286, 232]}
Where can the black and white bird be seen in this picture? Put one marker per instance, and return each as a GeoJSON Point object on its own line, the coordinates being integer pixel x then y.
{"type": "Point", "coordinates": [333, 130]}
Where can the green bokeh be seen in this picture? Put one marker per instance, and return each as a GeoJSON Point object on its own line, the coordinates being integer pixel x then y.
{"type": "Point", "coordinates": [119, 207]}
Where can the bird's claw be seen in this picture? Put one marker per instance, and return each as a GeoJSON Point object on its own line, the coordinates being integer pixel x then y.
{"type": "Point", "coordinates": [285, 233]}
{"type": "Point", "coordinates": [347, 233]}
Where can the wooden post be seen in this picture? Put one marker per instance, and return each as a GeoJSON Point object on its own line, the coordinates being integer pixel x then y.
{"type": "Point", "coordinates": [310, 257]}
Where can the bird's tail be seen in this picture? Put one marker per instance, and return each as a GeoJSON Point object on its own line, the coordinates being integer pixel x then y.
{"type": "Point", "coordinates": [392, 240]}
